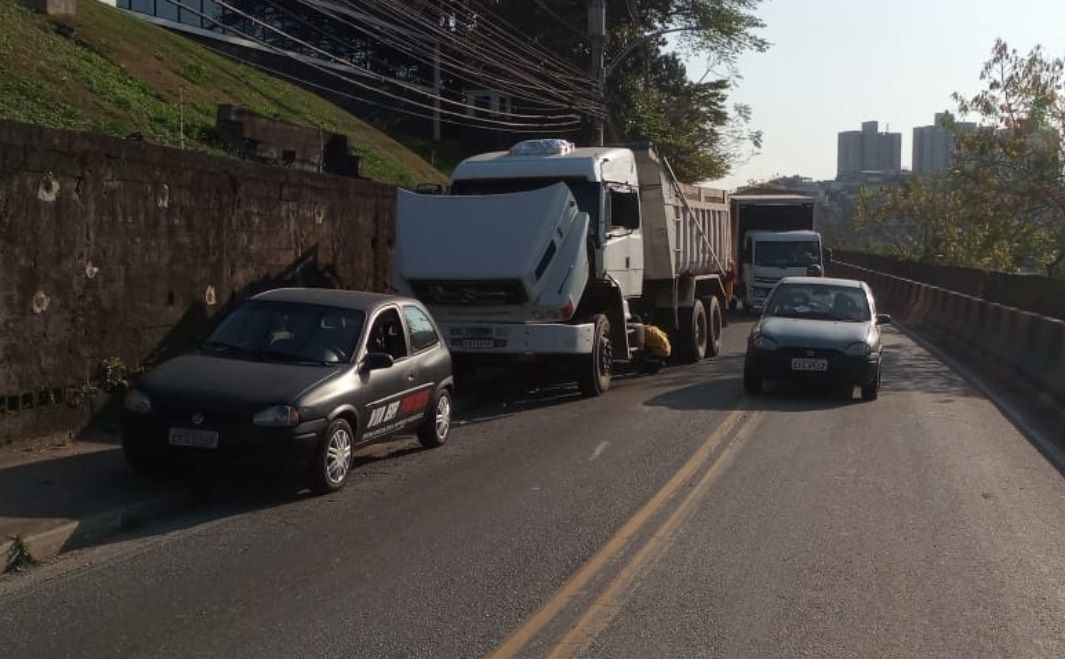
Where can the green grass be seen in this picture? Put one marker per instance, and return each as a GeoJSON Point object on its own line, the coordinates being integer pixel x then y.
{"type": "Point", "coordinates": [109, 72]}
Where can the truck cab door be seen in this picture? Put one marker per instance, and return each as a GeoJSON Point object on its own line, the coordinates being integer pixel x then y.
{"type": "Point", "coordinates": [623, 244]}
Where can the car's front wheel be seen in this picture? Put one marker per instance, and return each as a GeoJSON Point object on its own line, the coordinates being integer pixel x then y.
{"type": "Point", "coordinates": [434, 430]}
{"type": "Point", "coordinates": [332, 463]}
{"type": "Point", "coordinates": [142, 460]}
{"type": "Point", "coordinates": [871, 391]}
{"type": "Point", "coordinates": [752, 381]}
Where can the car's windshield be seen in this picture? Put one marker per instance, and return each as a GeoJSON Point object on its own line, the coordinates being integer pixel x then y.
{"type": "Point", "coordinates": [820, 301]}
{"type": "Point", "coordinates": [790, 254]}
{"type": "Point", "coordinates": [288, 331]}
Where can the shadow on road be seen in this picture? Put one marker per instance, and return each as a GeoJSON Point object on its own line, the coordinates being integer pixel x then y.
{"type": "Point", "coordinates": [908, 367]}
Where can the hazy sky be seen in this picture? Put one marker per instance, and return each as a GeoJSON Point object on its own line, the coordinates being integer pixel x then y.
{"type": "Point", "coordinates": [836, 63]}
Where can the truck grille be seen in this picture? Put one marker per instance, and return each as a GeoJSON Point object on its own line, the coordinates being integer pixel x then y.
{"type": "Point", "coordinates": [480, 293]}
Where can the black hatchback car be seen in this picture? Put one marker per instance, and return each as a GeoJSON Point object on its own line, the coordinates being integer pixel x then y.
{"type": "Point", "coordinates": [817, 329]}
{"type": "Point", "coordinates": [296, 377]}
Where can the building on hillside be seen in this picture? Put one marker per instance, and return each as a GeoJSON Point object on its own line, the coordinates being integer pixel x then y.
{"type": "Point", "coordinates": [934, 145]}
{"type": "Point", "coordinates": [868, 150]}
{"type": "Point", "coordinates": [262, 139]}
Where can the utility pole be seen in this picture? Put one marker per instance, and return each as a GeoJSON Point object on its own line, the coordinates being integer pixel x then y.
{"type": "Point", "coordinates": [436, 75]}
{"type": "Point", "coordinates": [436, 91]}
{"type": "Point", "coordinates": [597, 31]}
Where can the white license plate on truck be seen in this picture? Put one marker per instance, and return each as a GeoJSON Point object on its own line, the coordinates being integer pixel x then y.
{"type": "Point", "coordinates": [807, 364]}
{"type": "Point", "coordinates": [193, 438]}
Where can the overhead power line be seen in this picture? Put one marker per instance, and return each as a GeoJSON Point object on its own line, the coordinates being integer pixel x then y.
{"type": "Point", "coordinates": [544, 123]}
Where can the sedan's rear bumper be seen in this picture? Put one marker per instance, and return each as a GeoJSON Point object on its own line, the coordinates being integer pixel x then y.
{"type": "Point", "coordinates": [840, 368]}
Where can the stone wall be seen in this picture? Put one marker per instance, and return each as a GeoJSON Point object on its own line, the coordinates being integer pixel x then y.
{"type": "Point", "coordinates": [120, 252]}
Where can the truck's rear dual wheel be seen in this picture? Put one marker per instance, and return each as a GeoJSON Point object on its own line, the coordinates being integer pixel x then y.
{"type": "Point", "coordinates": [700, 330]}
{"type": "Point", "coordinates": [595, 369]}
{"type": "Point", "coordinates": [715, 323]}
{"type": "Point", "coordinates": [692, 334]}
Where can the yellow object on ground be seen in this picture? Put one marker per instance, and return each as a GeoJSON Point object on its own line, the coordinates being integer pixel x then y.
{"type": "Point", "coordinates": [656, 342]}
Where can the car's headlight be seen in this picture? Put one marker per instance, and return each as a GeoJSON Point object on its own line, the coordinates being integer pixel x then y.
{"type": "Point", "coordinates": [860, 349]}
{"type": "Point", "coordinates": [137, 401]}
{"type": "Point", "coordinates": [764, 343]}
{"type": "Point", "coordinates": [278, 415]}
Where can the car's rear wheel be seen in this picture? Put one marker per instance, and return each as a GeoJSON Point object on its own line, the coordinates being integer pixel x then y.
{"type": "Point", "coordinates": [332, 463]}
{"type": "Point", "coordinates": [752, 381]}
{"type": "Point", "coordinates": [434, 430]}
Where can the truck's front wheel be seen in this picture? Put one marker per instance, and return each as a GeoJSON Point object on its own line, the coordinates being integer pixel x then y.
{"type": "Point", "coordinates": [594, 370]}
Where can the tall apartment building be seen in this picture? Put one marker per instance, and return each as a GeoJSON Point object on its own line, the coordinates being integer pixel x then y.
{"type": "Point", "coordinates": [868, 150]}
{"type": "Point", "coordinates": [933, 146]}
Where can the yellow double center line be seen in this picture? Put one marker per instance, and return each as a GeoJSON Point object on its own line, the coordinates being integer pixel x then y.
{"type": "Point", "coordinates": [605, 607]}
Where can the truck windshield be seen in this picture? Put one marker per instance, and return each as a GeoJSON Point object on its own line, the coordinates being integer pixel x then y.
{"type": "Point", "coordinates": [790, 254]}
{"type": "Point", "coordinates": [586, 193]}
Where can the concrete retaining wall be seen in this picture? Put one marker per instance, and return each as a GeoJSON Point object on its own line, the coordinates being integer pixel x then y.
{"type": "Point", "coordinates": [1016, 342]}
{"type": "Point", "coordinates": [116, 251]}
{"type": "Point", "coordinates": [1037, 294]}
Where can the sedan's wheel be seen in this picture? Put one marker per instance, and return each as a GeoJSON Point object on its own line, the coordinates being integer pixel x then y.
{"type": "Point", "coordinates": [434, 430]}
{"type": "Point", "coordinates": [332, 464]}
{"type": "Point", "coordinates": [752, 382]}
{"type": "Point", "coordinates": [141, 460]}
{"type": "Point", "coordinates": [872, 391]}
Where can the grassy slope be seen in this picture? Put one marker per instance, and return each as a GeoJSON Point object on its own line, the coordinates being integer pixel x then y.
{"type": "Point", "coordinates": [116, 74]}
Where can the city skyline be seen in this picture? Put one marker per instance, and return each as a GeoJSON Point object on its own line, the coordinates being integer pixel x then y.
{"type": "Point", "coordinates": [838, 63]}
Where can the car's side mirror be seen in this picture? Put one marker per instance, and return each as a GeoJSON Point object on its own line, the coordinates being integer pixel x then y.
{"type": "Point", "coordinates": [828, 256]}
{"type": "Point", "coordinates": [883, 319]}
{"type": "Point", "coordinates": [374, 361]}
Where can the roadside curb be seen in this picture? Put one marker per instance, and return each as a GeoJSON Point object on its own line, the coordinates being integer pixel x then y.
{"type": "Point", "coordinates": [76, 534]}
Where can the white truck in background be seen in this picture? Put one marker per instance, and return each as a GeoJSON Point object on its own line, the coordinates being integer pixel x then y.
{"type": "Point", "coordinates": [550, 251]}
{"type": "Point", "coordinates": [775, 238]}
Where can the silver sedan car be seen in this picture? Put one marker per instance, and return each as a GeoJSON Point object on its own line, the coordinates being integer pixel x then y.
{"type": "Point", "coordinates": [817, 329]}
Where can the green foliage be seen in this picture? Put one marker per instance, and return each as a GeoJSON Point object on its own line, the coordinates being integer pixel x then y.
{"type": "Point", "coordinates": [650, 96]}
{"type": "Point", "coordinates": [1001, 206]}
{"type": "Point", "coordinates": [19, 556]}
{"type": "Point", "coordinates": [107, 72]}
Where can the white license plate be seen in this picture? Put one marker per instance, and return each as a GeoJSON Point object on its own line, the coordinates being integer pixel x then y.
{"type": "Point", "coordinates": [804, 364]}
{"type": "Point", "coordinates": [477, 343]}
{"type": "Point", "coordinates": [193, 438]}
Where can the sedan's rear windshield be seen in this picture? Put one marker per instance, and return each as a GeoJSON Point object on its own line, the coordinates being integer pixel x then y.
{"type": "Point", "coordinates": [289, 331]}
{"type": "Point", "coordinates": [823, 301]}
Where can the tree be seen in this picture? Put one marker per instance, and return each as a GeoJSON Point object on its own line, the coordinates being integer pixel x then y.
{"type": "Point", "coordinates": [1018, 154]}
{"type": "Point", "coordinates": [1001, 205]}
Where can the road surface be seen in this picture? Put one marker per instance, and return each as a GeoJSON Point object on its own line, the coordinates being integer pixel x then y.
{"type": "Point", "coordinates": [673, 517]}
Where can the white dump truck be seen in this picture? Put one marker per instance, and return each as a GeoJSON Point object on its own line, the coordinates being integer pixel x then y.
{"type": "Point", "coordinates": [550, 251]}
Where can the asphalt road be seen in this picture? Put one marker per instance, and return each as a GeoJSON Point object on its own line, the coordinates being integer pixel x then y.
{"type": "Point", "coordinates": [673, 517]}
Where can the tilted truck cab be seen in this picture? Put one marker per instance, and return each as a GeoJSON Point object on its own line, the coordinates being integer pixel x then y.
{"type": "Point", "coordinates": [561, 253]}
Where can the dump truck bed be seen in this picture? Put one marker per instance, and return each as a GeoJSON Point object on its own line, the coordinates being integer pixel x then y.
{"type": "Point", "coordinates": [686, 228]}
